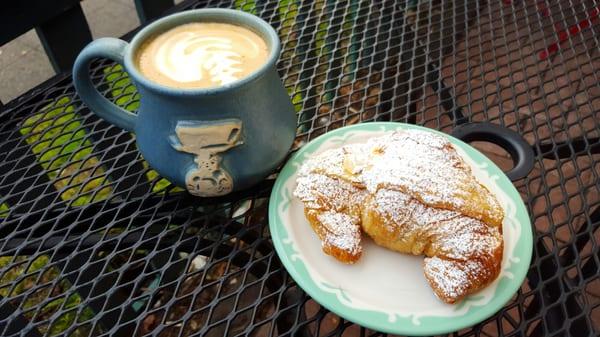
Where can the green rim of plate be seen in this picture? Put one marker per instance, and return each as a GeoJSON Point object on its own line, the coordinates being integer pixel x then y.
{"type": "Point", "coordinates": [429, 325]}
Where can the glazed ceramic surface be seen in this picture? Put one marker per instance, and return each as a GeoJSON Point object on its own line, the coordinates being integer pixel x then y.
{"type": "Point", "coordinates": [211, 141]}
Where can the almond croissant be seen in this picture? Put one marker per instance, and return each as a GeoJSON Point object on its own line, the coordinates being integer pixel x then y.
{"type": "Point", "coordinates": [411, 192]}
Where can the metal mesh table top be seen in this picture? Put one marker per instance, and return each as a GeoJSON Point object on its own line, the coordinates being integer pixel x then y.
{"type": "Point", "coordinates": [94, 242]}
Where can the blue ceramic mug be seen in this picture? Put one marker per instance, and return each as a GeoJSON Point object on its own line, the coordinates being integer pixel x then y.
{"type": "Point", "coordinates": [210, 140]}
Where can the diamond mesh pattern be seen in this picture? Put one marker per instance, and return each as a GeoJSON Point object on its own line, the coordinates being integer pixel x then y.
{"type": "Point", "coordinates": [94, 242]}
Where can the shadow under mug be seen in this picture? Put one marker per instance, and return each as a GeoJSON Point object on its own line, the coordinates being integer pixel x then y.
{"type": "Point", "coordinates": [210, 140]}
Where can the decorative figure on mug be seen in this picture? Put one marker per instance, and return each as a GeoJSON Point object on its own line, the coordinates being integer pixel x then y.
{"type": "Point", "coordinates": [206, 141]}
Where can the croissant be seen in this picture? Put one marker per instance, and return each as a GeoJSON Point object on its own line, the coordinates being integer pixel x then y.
{"type": "Point", "coordinates": [410, 192]}
{"type": "Point", "coordinates": [332, 205]}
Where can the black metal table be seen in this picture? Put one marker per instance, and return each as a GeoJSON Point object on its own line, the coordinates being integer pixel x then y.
{"type": "Point", "coordinates": [93, 242]}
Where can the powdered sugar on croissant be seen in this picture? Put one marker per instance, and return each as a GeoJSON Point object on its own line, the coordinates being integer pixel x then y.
{"type": "Point", "coordinates": [411, 192]}
{"type": "Point", "coordinates": [426, 167]}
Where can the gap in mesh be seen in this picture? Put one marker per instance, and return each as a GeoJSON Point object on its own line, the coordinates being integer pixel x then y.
{"type": "Point", "coordinates": [440, 20]}
{"type": "Point", "coordinates": [48, 299]}
{"type": "Point", "coordinates": [509, 94]}
{"type": "Point", "coordinates": [232, 288]}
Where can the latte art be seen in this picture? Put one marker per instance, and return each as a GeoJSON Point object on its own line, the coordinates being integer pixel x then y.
{"type": "Point", "coordinates": [202, 55]}
{"type": "Point", "coordinates": [188, 57]}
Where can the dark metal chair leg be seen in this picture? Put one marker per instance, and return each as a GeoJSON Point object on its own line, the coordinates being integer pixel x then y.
{"type": "Point", "coordinates": [149, 10]}
{"type": "Point", "coordinates": [62, 51]}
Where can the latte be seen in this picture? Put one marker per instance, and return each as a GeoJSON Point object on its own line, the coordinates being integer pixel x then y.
{"type": "Point", "coordinates": [201, 55]}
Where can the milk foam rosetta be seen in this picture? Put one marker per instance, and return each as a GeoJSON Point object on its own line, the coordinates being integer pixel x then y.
{"type": "Point", "coordinates": [201, 55]}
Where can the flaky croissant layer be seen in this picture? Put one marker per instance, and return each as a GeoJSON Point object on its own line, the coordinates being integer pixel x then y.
{"type": "Point", "coordinates": [410, 192]}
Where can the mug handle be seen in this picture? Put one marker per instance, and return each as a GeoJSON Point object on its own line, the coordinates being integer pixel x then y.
{"type": "Point", "coordinates": [113, 49]}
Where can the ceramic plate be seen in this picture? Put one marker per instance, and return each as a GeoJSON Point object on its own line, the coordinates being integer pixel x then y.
{"type": "Point", "coordinates": [385, 290]}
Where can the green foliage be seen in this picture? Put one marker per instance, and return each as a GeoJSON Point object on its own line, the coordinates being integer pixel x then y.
{"type": "Point", "coordinates": [20, 275]}
{"type": "Point", "coordinates": [288, 10]}
{"type": "Point", "coordinates": [3, 210]}
{"type": "Point", "coordinates": [128, 98]}
{"type": "Point", "coordinates": [323, 48]}
{"type": "Point", "coordinates": [58, 139]}
{"type": "Point", "coordinates": [162, 184]}
{"type": "Point", "coordinates": [67, 319]}
{"type": "Point", "coordinates": [248, 6]}
{"type": "Point", "coordinates": [19, 268]}
{"type": "Point", "coordinates": [121, 88]}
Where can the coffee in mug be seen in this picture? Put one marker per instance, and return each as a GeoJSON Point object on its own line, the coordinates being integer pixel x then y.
{"type": "Point", "coordinates": [201, 55]}
{"type": "Point", "coordinates": [214, 115]}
